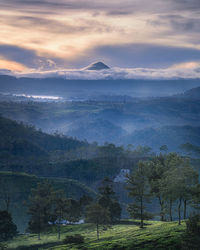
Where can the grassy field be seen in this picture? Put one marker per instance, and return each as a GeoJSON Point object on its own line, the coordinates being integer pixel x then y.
{"type": "Point", "coordinates": [127, 235]}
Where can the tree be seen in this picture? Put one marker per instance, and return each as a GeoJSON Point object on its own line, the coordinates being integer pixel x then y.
{"type": "Point", "coordinates": [138, 187]}
{"type": "Point", "coordinates": [155, 171]}
{"type": "Point", "coordinates": [166, 188]}
{"type": "Point", "coordinates": [40, 207]}
{"type": "Point", "coordinates": [60, 208]}
{"type": "Point", "coordinates": [164, 148]}
{"type": "Point", "coordinates": [108, 200]}
{"type": "Point", "coordinates": [7, 228]}
{"type": "Point", "coordinates": [5, 193]}
{"type": "Point", "coordinates": [190, 177]}
{"type": "Point", "coordinates": [195, 201]}
{"type": "Point", "coordinates": [178, 182]}
{"type": "Point", "coordinates": [84, 201]}
{"type": "Point", "coordinates": [99, 216]}
{"type": "Point", "coordinates": [73, 211]}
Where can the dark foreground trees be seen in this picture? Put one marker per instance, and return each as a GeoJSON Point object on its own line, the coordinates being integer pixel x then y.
{"type": "Point", "coordinates": [7, 228]}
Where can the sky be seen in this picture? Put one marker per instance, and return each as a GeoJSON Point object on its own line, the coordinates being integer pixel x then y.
{"type": "Point", "coordinates": [46, 35]}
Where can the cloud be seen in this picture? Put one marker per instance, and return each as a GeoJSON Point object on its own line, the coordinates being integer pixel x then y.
{"type": "Point", "coordinates": [187, 65]}
{"type": "Point", "coordinates": [73, 33]}
{"type": "Point", "coordinates": [24, 57]}
{"type": "Point", "coordinates": [188, 70]}
{"type": "Point", "coordinates": [188, 5]}
{"type": "Point", "coordinates": [144, 55]}
{"type": "Point", "coordinates": [104, 5]}
{"type": "Point", "coordinates": [178, 23]}
{"type": "Point", "coordinates": [124, 55]}
{"type": "Point", "coordinates": [56, 26]}
{"type": "Point", "coordinates": [17, 54]}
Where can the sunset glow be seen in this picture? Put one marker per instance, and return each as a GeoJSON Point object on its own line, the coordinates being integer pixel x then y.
{"type": "Point", "coordinates": [73, 34]}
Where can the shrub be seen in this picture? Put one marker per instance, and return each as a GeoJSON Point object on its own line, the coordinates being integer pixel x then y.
{"type": "Point", "coordinates": [76, 239]}
{"type": "Point", "coordinates": [193, 224]}
{"type": "Point", "coordinates": [3, 246]}
{"type": "Point", "coordinates": [7, 228]}
{"type": "Point", "coordinates": [191, 238]}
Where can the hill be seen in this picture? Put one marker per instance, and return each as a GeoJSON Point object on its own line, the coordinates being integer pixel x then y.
{"type": "Point", "coordinates": [20, 144]}
{"type": "Point", "coordinates": [121, 122]}
{"type": "Point", "coordinates": [25, 149]}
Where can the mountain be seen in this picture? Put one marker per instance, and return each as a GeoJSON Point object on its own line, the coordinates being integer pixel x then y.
{"type": "Point", "coordinates": [97, 66]}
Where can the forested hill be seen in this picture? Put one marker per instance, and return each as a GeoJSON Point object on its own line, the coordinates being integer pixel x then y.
{"type": "Point", "coordinates": [25, 149]}
{"type": "Point", "coordinates": [20, 139]}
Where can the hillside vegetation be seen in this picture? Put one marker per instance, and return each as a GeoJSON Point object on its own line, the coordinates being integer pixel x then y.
{"type": "Point", "coordinates": [25, 149]}
{"type": "Point", "coordinates": [18, 186]}
{"type": "Point", "coordinates": [127, 235]}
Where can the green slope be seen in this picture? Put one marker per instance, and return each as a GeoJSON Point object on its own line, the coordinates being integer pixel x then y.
{"type": "Point", "coordinates": [155, 235]}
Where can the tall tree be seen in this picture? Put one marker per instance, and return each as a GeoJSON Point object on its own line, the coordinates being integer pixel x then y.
{"type": "Point", "coordinates": [108, 199]}
{"type": "Point", "coordinates": [138, 187]}
{"type": "Point", "coordinates": [179, 181]}
{"type": "Point", "coordinates": [156, 168]}
{"type": "Point", "coordinates": [60, 209]}
{"type": "Point", "coordinates": [40, 207]}
{"type": "Point", "coordinates": [99, 216]}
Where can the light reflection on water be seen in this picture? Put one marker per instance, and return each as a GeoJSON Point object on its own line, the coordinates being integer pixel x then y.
{"type": "Point", "coordinates": [43, 97]}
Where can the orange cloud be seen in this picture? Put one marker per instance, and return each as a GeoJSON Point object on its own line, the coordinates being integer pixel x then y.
{"type": "Point", "coordinates": [14, 66]}
{"type": "Point", "coordinates": [186, 65]}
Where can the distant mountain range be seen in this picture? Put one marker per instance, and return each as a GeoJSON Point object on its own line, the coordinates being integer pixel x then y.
{"type": "Point", "coordinates": [82, 89]}
{"type": "Point", "coordinates": [121, 119]}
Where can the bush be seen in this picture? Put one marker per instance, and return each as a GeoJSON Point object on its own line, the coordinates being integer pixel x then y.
{"type": "Point", "coordinates": [76, 238]}
{"type": "Point", "coordinates": [191, 238]}
{"type": "Point", "coordinates": [193, 224]}
{"type": "Point", "coordinates": [3, 246]}
{"type": "Point", "coordinates": [7, 228]}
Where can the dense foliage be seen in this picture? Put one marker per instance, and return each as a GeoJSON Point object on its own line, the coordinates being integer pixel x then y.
{"type": "Point", "coordinates": [169, 178]}
{"type": "Point", "coordinates": [7, 228]}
